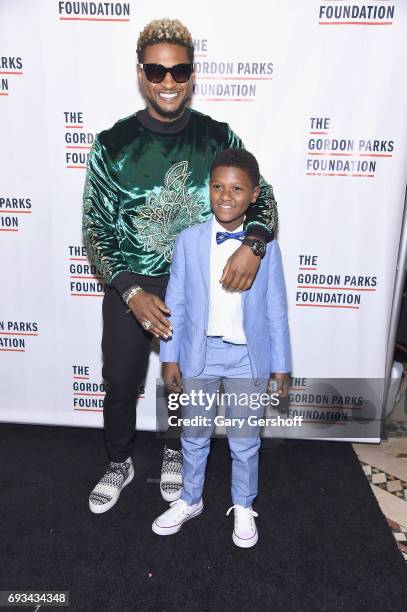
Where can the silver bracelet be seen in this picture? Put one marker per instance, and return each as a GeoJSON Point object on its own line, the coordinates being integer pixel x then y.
{"type": "Point", "coordinates": [130, 293]}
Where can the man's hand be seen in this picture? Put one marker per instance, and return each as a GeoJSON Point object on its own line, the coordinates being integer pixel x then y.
{"type": "Point", "coordinates": [148, 307]}
{"type": "Point", "coordinates": [240, 270]}
{"type": "Point", "coordinates": [172, 377]}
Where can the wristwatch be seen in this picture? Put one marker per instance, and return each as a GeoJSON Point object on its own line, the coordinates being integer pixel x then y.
{"type": "Point", "coordinates": [257, 246]}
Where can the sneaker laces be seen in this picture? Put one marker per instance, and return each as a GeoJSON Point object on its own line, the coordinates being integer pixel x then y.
{"type": "Point", "coordinates": [179, 506]}
{"type": "Point", "coordinates": [246, 514]}
{"type": "Point", "coordinates": [116, 472]}
{"type": "Point", "coordinates": [172, 462]}
{"type": "Point", "coordinates": [169, 452]}
{"type": "Point", "coordinates": [118, 468]}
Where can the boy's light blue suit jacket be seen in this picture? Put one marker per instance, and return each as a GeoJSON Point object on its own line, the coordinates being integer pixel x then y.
{"type": "Point", "coordinates": [264, 308]}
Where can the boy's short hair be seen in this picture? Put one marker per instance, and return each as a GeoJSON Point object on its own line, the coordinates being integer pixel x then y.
{"type": "Point", "coordinates": [165, 31]}
{"type": "Point", "coordinates": [238, 158]}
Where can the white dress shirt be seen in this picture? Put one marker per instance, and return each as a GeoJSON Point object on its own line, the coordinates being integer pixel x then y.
{"type": "Point", "coordinates": [225, 308]}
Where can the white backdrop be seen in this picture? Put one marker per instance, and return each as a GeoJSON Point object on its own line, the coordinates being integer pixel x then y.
{"type": "Point", "coordinates": [315, 89]}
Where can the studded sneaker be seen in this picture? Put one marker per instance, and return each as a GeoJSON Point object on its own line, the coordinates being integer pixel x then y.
{"type": "Point", "coordinates": [171, 475]}
{"type": "Point", "coordinates": [245, 532]}
{"type": "Point", "coordinates": [107, 491]}
{"type": "Point", "coordinates": [172, 520]}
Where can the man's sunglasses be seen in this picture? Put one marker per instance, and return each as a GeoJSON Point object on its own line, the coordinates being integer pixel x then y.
{"type": "Point", "coordinates": [156, 73]}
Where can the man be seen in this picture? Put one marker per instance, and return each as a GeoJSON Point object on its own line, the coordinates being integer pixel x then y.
{"type": "Point", "coordinates": [146, 182]}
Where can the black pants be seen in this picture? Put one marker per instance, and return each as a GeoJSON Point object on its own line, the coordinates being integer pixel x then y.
{"type": "Point", "coordinates": [126, 349]}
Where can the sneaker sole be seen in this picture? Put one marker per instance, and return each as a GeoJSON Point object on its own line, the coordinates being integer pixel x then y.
{"type": "Point", "coordinates": [101, 508]}
{"type": "Point", "coordinates": [175, 528]}
{"type": "Point", "coordinates": [169, 497]}
{"type": "Point", "coordinates": [245, 543]}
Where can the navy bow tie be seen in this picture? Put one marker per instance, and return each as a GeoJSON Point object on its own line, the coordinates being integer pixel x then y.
{"type": "Point", "coordinates": [222, 236]}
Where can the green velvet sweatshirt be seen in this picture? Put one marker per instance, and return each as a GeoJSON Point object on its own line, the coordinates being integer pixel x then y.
{"type": "Point", "coordinates": [147, 181]}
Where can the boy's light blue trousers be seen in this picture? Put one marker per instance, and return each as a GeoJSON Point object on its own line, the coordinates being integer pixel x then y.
{"type": "Point", "coordinates": [228, 364]}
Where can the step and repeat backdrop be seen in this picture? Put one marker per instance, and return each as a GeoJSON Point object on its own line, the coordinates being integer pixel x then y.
{"type": "Point", "coordinates": [316, 90]}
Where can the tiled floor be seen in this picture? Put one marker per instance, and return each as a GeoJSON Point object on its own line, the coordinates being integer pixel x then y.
{"type": "Point", "coordinates": [385, 466]}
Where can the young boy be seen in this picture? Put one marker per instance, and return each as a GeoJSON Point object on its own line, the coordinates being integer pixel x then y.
{"type": "Point", "coordinates": [237, 339]}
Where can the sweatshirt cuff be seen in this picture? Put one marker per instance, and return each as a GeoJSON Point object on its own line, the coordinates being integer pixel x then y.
{"type": "Point", "coordinates": [123, 281]}
{"type": "Point", "coordinates": [259, 231]}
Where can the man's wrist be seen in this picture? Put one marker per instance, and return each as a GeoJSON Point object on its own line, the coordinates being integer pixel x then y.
{"type": "Point", "coordinates": [122, 281]}
{"type": "Point", "coordinates": [261, 232]}
{"type": "Point", "coordinates": [257, 245]}
{"type": "Point", "coordinates": [130, 293]}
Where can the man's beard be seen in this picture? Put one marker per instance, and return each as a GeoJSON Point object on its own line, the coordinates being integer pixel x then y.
{"type": "Point", "coordinates": [168, 114]}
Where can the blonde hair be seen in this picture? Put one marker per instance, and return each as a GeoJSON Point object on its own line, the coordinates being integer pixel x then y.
{"type": "Point", "coordinates": [165, 31]}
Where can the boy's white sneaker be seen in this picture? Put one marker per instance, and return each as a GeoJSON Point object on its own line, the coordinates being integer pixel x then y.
{"type": "Point", "coordinates": [245, 532]}
{"type": "Point", "coordinates": [172, 520]}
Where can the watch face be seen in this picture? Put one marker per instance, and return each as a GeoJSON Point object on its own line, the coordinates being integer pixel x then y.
{"type": "Point", "coordinates": [259, 248]}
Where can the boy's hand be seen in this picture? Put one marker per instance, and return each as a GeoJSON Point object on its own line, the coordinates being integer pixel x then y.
{"type": "Point", "coordinates": [283, 383]}
{"type": "Point", "coordinates": [148, 307]}
{"type": "Point", "coordinates": [172, 377]}
{"type": "Point", "coordinates": [240, 270]}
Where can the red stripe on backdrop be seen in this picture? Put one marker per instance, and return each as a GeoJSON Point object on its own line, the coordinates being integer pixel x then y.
{"type": "Point", "coordinates": [370, 23]}
{"type": "Point", "coordinates": [18, 334]}
{"type": "Point", "coordinates": [91, 276]}
{"type": "Point", "coordinates": [336, 154]}
{"type": "Point", "coordinates": [337, 174]}
{"type": "Point", "coordinates": [333, 288]}
{"type": "Point", "coordinates": [95, 394]}
{"type": "Point", "coordinates": [88, 294]}
{"type": "Point", "coordinates": [327, 306]}
{"type": "Point", "coordinates": [233, 78]}
{"type": "Point", "coordinates": [226, 99]}
{"type": "Point", "coordinates": [324, 407]}
{"type": "Point", "coordinates": [324, 422]}
{"type": "Point", "coordinates": [90, 19]}
{"type": "Point", "coordinates": [89, 409]}
{"type": "Point", "coordinates": [353, 154]}
{"type": "Point", "coordinates": [375, 155]}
